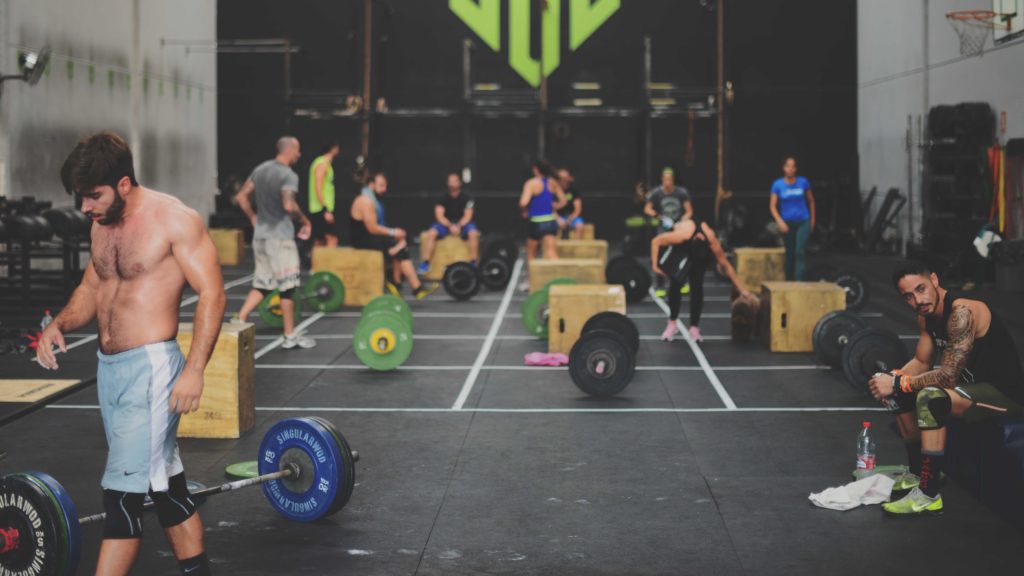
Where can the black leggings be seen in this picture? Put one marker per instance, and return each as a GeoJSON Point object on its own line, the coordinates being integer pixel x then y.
{"type": "Point", "coordinates": [696, 279]}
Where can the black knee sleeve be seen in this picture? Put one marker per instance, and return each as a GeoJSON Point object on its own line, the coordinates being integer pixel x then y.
{"type": "Point", "coordinates": [288, 294]}
{"type": "Point", "coordinates": [174, 506]}
{"type": "Point", "coordinates": [933, 408]}
{"type": "Point", "coordinates": [124, 515]}
{"type": "Point", "coordinates": [402, 255]}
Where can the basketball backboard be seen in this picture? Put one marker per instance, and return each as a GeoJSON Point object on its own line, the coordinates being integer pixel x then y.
{"type": "Point", "coordinates": [1004, 33]}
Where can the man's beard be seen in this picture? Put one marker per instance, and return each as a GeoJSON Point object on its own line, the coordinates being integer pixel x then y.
{"type": "Point", "coordinates": [115, 213]}
{"type": "Point", "coordinates": [933, 305]}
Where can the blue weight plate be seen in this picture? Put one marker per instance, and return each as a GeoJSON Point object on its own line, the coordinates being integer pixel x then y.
{"type": "Point", "coordinates": [70, 513]}
{"type": "Point", "coordinates": [314, 449]}
{"type": "Point", "coordinates": [350, 469]}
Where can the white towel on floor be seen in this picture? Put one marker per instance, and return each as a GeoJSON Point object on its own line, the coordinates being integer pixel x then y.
{"type": "Point", "coordinates": [874, 489]}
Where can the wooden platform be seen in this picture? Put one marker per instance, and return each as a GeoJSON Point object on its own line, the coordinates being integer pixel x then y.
{"type": "Point", "coordinates": [571, 305]}
{"type": "Point", "coordinates": [589, 271]}
{"type": "Point", "coordinates": [362, 271]}
{"type": "Point", "coordinates": [228, 405]}
{"type": "Point", "coordinates": [789, 311]}
{"type": "Point", "coordinates": [757, 265]}
{"type": "Point", "coordinates": [32, 390]}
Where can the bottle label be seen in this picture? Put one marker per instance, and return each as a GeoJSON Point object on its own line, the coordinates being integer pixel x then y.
{"type": "Point", "coordinates": [866, 462]}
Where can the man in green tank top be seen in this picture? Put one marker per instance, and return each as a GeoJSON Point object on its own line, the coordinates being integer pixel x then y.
{"type": "Point", "coordinates": [321, 196]}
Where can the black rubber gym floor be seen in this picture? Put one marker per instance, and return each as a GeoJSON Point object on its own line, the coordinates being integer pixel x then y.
{"type": "Point", "coordinates": [472, 463]}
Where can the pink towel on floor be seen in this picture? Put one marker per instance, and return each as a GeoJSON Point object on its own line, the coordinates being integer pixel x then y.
{"type": "Point", "coordinates": [546, 359]}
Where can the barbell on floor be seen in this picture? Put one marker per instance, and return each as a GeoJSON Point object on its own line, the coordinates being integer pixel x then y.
{"type": "Point", "coordinates": [306, 469]}
{"type": "Point", "coordinates": [603, 360]}
{"type": "Point", "coordinates": [462, 280]}
{"type": "Point", "coordinates": [842, 340]}
{"type": "Point", "coordinates": [383, 338]}
{"type": "Point", "coordinates": [535, 309]}
{"type": "Point", "coordinates": [323, 291]}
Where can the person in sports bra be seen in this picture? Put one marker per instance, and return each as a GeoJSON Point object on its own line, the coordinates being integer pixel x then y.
{"type": "Point", "coordinates": [688, 249]}
{"type": "Point", "coordinates": [542, 196]}
{"type": "Point", "coordinates": [979, 377]}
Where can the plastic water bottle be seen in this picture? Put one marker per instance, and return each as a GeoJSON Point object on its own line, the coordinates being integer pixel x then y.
{"type": "Point", "coordinates": [865, 449]}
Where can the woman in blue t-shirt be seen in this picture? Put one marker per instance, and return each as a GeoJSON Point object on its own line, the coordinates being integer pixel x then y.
{"type": "Point", "coordinates": [792, 207]}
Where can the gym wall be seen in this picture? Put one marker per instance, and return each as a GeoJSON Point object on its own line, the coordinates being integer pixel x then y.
{"type": "Point", "coordinates": [90, 83]}
{"type": "Point", "coordinates": [897, 78]}
{"type": "Point", "coordinates": [795, 94]}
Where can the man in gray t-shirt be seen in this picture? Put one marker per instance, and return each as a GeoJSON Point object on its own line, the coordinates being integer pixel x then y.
{"type": "Point", "coordinates": [273, 185]}
{"type": "Point", "coordinates": [271, 181]}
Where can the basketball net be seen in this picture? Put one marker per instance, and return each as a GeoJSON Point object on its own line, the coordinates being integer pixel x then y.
{"type": "Point", "coordinates": [973, 28]}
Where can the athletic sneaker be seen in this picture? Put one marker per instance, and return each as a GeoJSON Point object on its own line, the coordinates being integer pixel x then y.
{"type": "Point", "coordinates": [906, 482]}
{"type": "Point", "coordinates": [393, 289]}
{"type": "Point", "coordinates": [685, 289]}
{"type": "Point", "coordinates": [660, 293]}
{"type": "Point", "coordinates": [916, 503]}
{"type": "Point", "coordinates": [524, 285]}
{"type": "Point", "coordinates": [423, 268]}
{"type": "Point", "coordinates": [298, 339]}
{"type": "Point", "coordinates": [425, 290]}
{"type": "Point", "coordinates": [670, 331]}
{"type": "Point", "coordinates": [695, 334]}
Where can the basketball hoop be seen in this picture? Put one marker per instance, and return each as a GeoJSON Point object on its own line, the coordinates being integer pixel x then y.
{"type": "Point", "coordinates": [974, 26]}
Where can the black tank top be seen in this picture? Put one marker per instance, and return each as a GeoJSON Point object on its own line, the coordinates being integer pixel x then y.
{"type": "Point", "coordinates": [678, 258]}
{"type": "Point", "coordinates": [360, 235]}
{"type": "Point", "coordinates": [993, 358]}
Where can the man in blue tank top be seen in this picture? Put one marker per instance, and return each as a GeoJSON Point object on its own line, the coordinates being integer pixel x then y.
{"type": "Point", "coordinates": [979, 377]}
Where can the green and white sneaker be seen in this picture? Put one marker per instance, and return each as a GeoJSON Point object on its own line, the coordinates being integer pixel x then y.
{"type": "Point", "coordinates": [916, 503]}
{"type": "Point", "coordinates": [906, 482]}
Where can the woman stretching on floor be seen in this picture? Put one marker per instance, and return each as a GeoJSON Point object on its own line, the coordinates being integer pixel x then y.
{"type": "Point", "coordinates": [688, 250]}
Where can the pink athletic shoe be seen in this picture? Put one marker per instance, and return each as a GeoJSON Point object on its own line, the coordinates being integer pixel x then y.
{"type": "Point", "coordinates": [695, 334]}
{"type": "Point", "coordinates": [670, 331]}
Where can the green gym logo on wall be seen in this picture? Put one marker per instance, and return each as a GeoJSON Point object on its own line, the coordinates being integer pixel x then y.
{"type": "Point", "coordinates": [484, 18]}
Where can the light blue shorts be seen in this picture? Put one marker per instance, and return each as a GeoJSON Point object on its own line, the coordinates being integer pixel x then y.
{"type": "Point", "coordinates": [135, 389]}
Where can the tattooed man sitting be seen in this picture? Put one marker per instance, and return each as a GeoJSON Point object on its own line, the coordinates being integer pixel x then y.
{"type": "Point", "coordinates": [979, 377]}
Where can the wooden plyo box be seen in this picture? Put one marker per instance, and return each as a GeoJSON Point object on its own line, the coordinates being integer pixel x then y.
{"type": "Point", "coordinates": [583, 249]}
{"type": "Point", "coordinates": [230, 244]}
{"type": "Point", "coordinates": [590, 271]}
{"type": "Point", "coordinates": [227, 408]}
{"type": "Point", "coordinates": [588, 231]}
{"type": "Point", "coordinates": [755, 266]}
{"type": "Point", "coordinates": [789, 311]}
{"type": "Point", "coordinates": [447, 250]}
{"type": "Point", "coordinates": [362, 271]}
{"type": "Point", "coordinates": [571, 305]}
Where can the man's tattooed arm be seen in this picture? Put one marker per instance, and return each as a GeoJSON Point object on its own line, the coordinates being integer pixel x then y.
{"type": "Point", "coordinates": [961, 329]}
